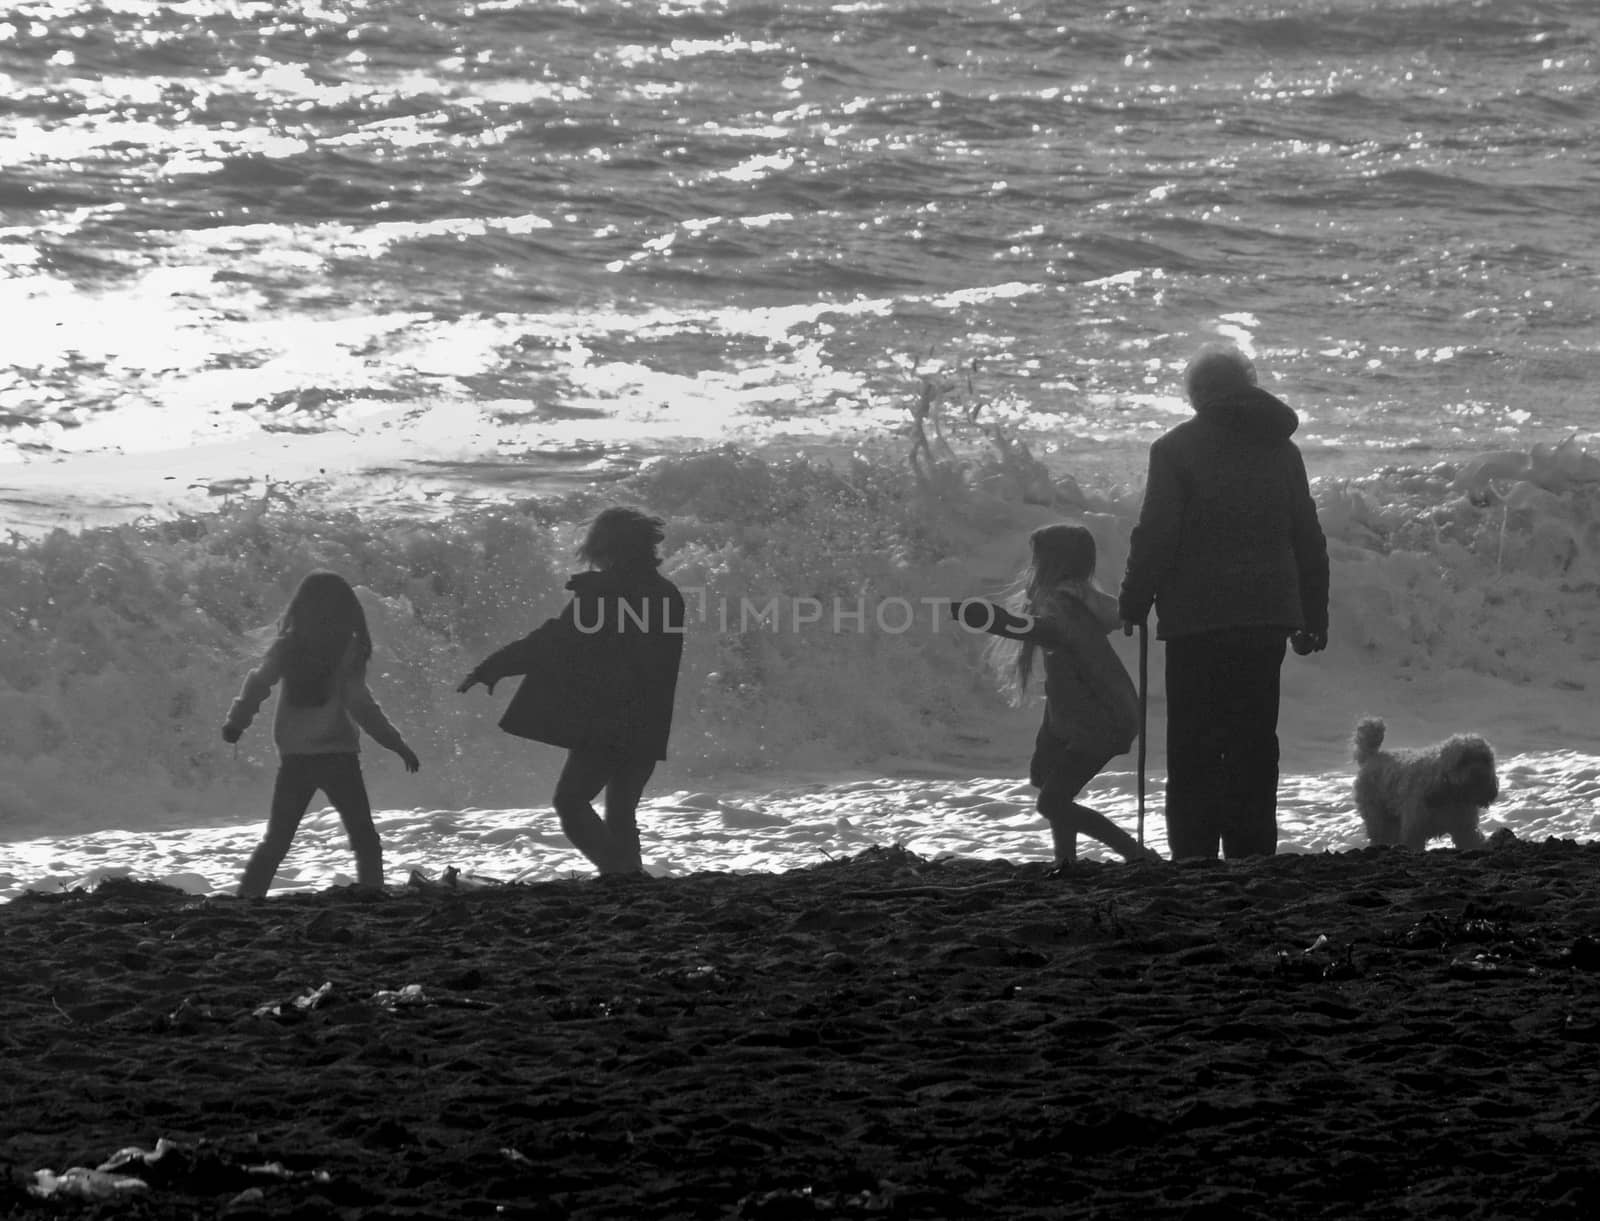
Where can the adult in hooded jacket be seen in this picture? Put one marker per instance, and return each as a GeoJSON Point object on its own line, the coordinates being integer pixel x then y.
{"type": "Point", "coordinates": [1229, 551]}
{"type": "Point", "coordinates": [600, 681]}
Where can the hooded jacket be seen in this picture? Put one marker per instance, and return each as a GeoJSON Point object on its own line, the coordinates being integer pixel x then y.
{"type": "Point", "coordinates": [604, 673]}
{"type": "Point", "coordinates": [1091, 704]}
{"type": "Point", "coordinates": [1228, 535]}
{"type": "Point", "coordinates": [327, 728]}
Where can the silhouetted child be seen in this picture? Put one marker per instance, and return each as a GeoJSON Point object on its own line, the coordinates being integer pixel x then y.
{"type": "Point", "coordinates": [1091, 705]}
{"type": "Point", "coordinates": [601, 678]}
{"type": "Point", "coordinates": [320, 655]}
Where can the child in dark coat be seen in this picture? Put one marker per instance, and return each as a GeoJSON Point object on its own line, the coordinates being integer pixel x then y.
{"type": "Point", "coordinates": [601, 679]}
{"type": "Point", "coordinates": [1091, 706]}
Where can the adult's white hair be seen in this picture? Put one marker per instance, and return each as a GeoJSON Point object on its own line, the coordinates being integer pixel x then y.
{"type": "Point", "coordinates": [1215, 371]}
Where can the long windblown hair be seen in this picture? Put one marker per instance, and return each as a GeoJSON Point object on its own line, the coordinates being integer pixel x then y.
{"type": "Point", "coordinates": [1060, 567]}
{"type": "Point", "coordinates": [322, 619]}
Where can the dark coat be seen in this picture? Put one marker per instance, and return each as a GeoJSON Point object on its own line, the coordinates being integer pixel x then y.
{"type": "Point", "coordinates": [603, 674]}
{"type": "Point", "coordinates": [1228, 535]}
{"type": "Point", "coordinates": [1091, 705]}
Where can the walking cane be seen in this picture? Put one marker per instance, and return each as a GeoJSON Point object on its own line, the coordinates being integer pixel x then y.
{"type": "Point", "coordinates": [1144, 714]}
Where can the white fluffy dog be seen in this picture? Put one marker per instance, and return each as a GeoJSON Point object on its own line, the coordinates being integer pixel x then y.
{"type": "Point", "coordinates": [1410, 796]}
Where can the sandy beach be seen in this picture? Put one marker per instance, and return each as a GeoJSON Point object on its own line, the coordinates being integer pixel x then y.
{"type": "Point", "coordinates": [854, 297]}
{"type": "Point", "coordinates": [1371, 1033]}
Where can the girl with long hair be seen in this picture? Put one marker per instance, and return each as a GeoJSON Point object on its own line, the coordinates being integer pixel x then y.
{"type": "Point", "coordinates": [320, 656]}
{"type": "Point", "coordinates": [1091, 706]}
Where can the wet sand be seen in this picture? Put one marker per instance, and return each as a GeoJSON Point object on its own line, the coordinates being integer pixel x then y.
{"type": "Point", "coordinates": [1366, 1034]}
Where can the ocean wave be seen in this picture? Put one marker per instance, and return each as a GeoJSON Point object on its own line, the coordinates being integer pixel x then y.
{"type": "Point", "coordinates": [815, 637]}
{"type": "Point", "coordinates": [1365, 29]}
{"type": "Point", "coordinates": [237, 223]}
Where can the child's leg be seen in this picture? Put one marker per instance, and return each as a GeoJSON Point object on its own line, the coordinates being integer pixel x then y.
{"type": "Point", "coordinates": [291, 794]}
{"type": "Point", "coordinates": [623, 791]}
{"type": "Point", "coordinates": [1056, 806]}
{"type": "Point", "coordinates": [1068, 819]}
{"type": "Point", "coordinates": [1096, 825]}
{"type": "Point", "coordinates": [1055, 770]}
{"type": "Point", "coordinates": [1063, 840]}
{"type": "Point", "coordinates": [347, 790]}
{"type": "Point", "coordinates": [585, 774]}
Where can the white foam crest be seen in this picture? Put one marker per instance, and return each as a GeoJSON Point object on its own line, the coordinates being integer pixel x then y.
{"type": "Point", "coordinates": [173, 364]}
{"type": "Point", "coordinates": [637, 55]}
{"type": "Point", "coordinates": [1437, 626]}
{"type": "Point", "coordinates": [311, 246]}
{"type": "Point", "coordinates": [63, 10]}
{"type": "Point", "coordinates": [183, 147]}
{"type": "Point", "coordinates": [757, 167]}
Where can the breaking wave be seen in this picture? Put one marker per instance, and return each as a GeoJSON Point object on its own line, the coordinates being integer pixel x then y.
{"type": "Point", "coordinates": [815, 637]}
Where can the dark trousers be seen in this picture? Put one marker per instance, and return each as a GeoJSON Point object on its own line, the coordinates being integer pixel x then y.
{"type": "Point", "coordinates": [1222, 742]}
{"type": "Point", "coordinates": [299, 778]}
{"type": "Point", "coordinates": [612, 842]}
{"type": "Point", "coordinates": [1060, 775]}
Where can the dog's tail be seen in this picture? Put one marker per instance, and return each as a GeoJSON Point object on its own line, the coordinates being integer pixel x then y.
{"type": "Point", "coordinates": [1368, 737]}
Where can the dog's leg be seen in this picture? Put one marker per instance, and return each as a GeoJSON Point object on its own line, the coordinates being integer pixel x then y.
{"type": "Point", "coordinates": [1417, 827]}
{"type": "Point", "coordinates": [1382, 823]}
{"type": "Point", "coordinates": [1467, 833]}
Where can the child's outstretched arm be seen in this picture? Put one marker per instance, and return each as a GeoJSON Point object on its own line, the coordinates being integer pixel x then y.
{"type": "Point", "coordinates": [365, 712]}
{"type": "Point", "coordinates": [258, 685]}
{"type": "Point", "coordinates": [512, 660]}
{"type": "Point", "coordinates": [517, 657]}
{"type": "Point", "coordinates": [982, 615]}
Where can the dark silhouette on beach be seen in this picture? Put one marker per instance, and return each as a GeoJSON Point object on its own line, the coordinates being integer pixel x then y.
{"type": "Point", "coordinates": [320, 656]}
{"type": "Point", "coordinates": [1091, 706]}
{"type": "Point", "coordinates": [600, 681]}
{"type": "Point", "coordinates": [1229, 551]}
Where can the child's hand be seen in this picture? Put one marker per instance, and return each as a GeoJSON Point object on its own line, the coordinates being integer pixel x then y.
{"type": "Point", "coordinates": [230, 734]}
{"type": "Point", "coordinates": [408, 757]}
{"type": "Point", "coordinates": [473, 679]}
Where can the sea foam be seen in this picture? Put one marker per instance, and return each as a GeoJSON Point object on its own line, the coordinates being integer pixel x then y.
{"type": "Point", "coordinates": [1461, 592]}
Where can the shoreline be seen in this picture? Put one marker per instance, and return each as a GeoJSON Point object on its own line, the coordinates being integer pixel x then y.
{"type": "Point", "coordinates": [766, 824]}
